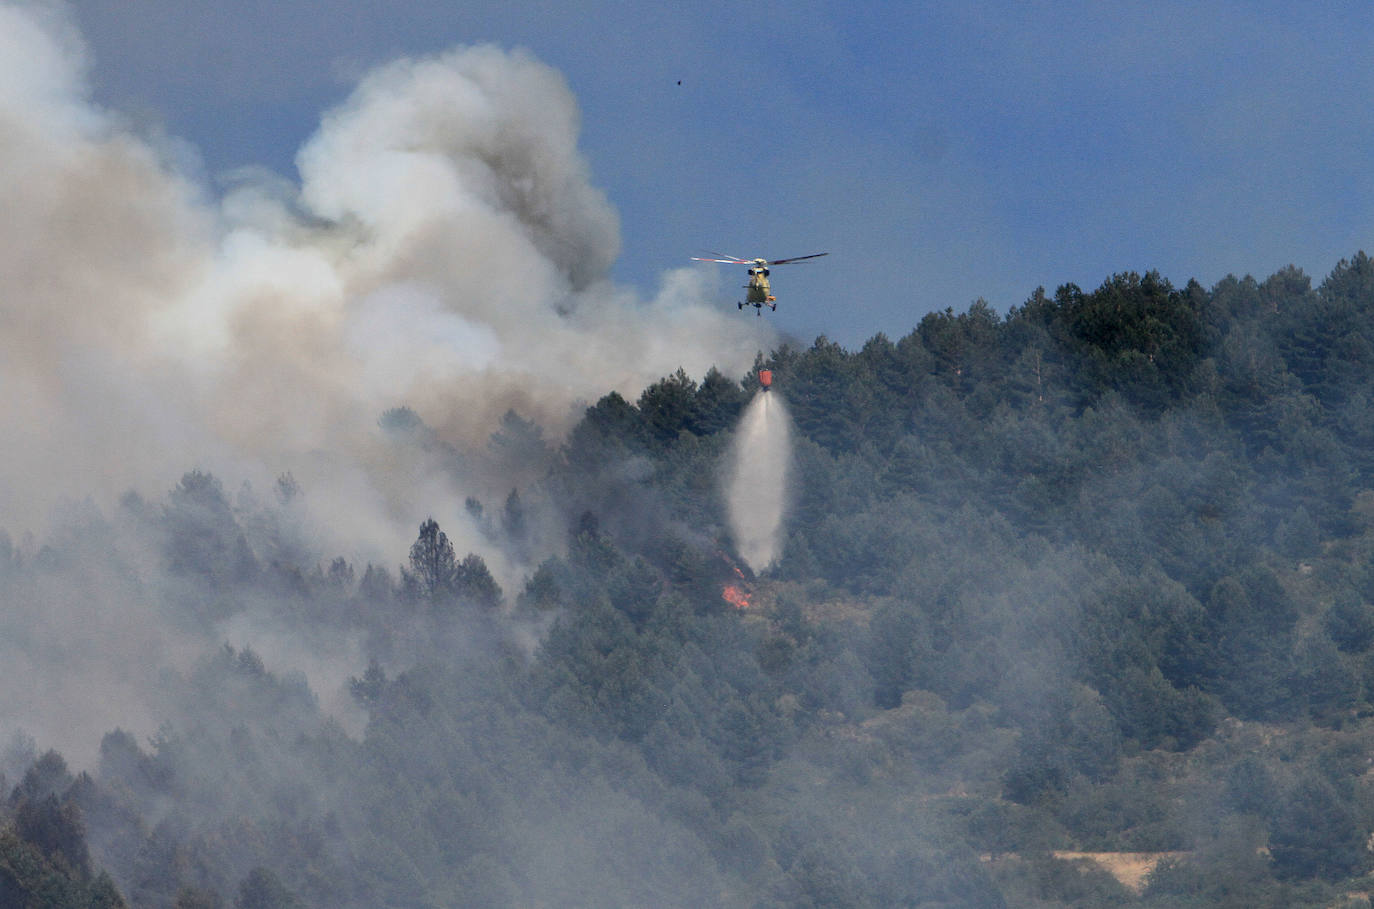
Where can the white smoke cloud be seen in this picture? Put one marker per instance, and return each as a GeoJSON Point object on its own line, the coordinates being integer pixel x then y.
{"type": "Point", "coordinates": [446, 249]}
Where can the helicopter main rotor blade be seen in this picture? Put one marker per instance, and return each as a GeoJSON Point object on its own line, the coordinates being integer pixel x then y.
{"type": "Point", "coordinates": [730, 261]}
{"type": "Point", "coordinates": [797, 259]}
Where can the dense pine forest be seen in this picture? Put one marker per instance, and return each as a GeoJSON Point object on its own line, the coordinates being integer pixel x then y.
{"type": "Point", "coordinates": [1087, 584]}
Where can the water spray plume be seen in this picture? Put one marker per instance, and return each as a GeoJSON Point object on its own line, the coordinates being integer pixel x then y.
{"type": "Point", "coordinates": [756, 494]}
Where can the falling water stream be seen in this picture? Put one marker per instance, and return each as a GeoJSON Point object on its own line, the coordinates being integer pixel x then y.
{"type": "Point", "coordinates": [756, 490]}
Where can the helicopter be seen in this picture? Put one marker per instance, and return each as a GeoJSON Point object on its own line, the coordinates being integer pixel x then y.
{"type": "Point", "coordinates": [759, 293]}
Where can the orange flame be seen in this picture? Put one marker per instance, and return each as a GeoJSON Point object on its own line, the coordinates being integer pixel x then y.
{"type": "Point", "coordinates": [735, 596]}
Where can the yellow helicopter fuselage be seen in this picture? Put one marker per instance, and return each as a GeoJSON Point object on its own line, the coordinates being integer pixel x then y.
{"type": "Point", "coordinates": [759, 291]}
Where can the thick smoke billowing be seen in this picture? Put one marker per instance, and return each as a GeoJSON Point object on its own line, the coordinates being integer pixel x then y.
{"type": "Point", "coordinates": [757, 494]}
{"type": "Point", "coordinates": [446, 250]}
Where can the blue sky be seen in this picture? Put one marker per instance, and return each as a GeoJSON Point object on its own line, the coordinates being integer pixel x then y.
{"type": "Point", "coordinates": [940, 152]}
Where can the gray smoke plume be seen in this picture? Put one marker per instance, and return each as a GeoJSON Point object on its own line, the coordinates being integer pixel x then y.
{"type": "Point", "coordinates": [446, 250]}
{"type": "Point", "coordinates": [756, 494]}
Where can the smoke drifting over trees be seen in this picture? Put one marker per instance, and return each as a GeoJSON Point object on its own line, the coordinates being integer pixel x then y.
{"type": "Point", "coordinates": [445, 250]}
{"type": "Point", "coordinates": [363, 546]}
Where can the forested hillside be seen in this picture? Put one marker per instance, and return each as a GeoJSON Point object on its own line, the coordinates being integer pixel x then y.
{"type": "Point", "coordinates": [1096, 576]}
